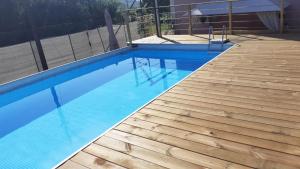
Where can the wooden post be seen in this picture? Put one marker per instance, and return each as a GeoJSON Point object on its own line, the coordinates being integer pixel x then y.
{"type": "Point", "coordinates": [190, 19]}
{"type": "Point", "coordinates": [126, 20]}
{"type": "Point", "coordinates": [281, 16]}
{"type": "Point", "coordinates": [230, 17]}
{"type": "Point", "coordinates": [157, 19]}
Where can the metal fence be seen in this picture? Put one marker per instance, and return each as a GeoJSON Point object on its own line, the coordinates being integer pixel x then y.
{"type": "Point", "coordinates": [182, 21]}
{"type": "Point", "coordinates": [24, 59]}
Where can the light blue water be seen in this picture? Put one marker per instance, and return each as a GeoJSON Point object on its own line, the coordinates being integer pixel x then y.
{"type": "Point", "coordinates": [43, 123]}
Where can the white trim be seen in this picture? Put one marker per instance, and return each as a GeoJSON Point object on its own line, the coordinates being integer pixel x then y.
{"type": "Point", "coordinates": [141, 107]}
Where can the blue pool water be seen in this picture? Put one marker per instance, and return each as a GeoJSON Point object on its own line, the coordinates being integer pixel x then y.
{"type": "Point", "coordinates": [43, 123]}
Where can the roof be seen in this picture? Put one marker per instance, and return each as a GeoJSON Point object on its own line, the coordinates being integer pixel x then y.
{"type": "Point", "coordinates": [241, 6]}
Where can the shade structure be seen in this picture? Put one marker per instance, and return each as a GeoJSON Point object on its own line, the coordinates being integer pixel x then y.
{"type": "Point", "coordinates": [266, 10]}
{"type": "Point", "coordinates": [239, 6]}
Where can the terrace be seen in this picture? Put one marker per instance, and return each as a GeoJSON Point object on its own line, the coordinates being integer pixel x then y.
{"type": "Point", "coordinates": [239, 111]}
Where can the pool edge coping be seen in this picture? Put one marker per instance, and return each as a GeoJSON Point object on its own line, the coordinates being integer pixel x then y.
{"type": "Point", "coordinates": [141, 107]}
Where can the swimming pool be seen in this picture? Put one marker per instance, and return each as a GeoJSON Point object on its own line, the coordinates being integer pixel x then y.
{"type": "Point", "coordinates": [47, 117]}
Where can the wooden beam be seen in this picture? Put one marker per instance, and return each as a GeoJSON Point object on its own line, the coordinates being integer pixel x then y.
{"type": "Point", "coordinates": [230, 16]}
{"type": "Point", "coordinates": [126, 20]}
{"type": "Point", "coordinates": [281, 16]}
{"type": "Point", "coordinates": [190, 19]}
{"type": "Point", "coordinates": [157, 19]}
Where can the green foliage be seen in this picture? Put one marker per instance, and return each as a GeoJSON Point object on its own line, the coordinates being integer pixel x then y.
{"type": "Point", "coordinates": [146, 25]}
{"type": "Point", "coordinates": [150, 3]}
{"type": "Point", "coordinates": [52, 17]}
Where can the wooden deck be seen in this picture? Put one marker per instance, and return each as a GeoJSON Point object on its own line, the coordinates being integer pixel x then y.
{"type": "Point", "coordinates": [240, 111]}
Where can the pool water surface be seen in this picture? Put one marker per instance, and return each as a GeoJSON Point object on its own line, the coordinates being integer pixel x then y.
{"type": "Point", "coordinates": [43, 123]}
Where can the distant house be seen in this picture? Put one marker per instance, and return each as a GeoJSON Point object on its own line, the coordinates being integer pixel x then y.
{"type": "Point", "coordinates": [248, 15]}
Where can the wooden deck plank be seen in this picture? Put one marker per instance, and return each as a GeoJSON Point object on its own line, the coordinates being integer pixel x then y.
{"type": "Point", "coordinates": [91, 161]}
{"type": "Point", "coordinates": [119, 158]}
{"type": "Point", "coordinates": [150, 151]}
{"type": "Point", "coordinates": [245, 94]}
{"type": "Point", "coordinates": [222, 149]}
{"type": "Point", "coordinates": [70, 164]}
{"type": "Point", "coordinates": [241, 110]}
{"type": "Point", "coordinates": [207, 113]}
{"type": "Point", "coordinates": [226, 108]}
{"type": "Point", "coordinates": [136, 125]}
{"type": "Point", "coordinates": [233, 103]}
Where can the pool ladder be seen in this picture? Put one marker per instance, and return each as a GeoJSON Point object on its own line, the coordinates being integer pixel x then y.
{"type": "Point", "coordinates": [211, 36]}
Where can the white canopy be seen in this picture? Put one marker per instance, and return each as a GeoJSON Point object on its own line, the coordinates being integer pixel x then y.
{"type": "Point", "coordinates": [266, 10]}
{"type": "Point", "coordinates": [241, 6]}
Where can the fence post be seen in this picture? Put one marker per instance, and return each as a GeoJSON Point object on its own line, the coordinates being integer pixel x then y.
{"type": "Point", "coordinates": [126, 20]}
{"type": "Point", "coordinates": [88, 36]}
{"type": "Point", "coordinates": [281, 16]}
{"type": "Point", "coordinates": [72, 47]}
{"type": "Point", "coordinates": [33, 53]}
{"type": "Point", "coordinates": [101, 39]}
{"type": "Point", "coordinates": [37, 40]}
{"type": "Point", "coordinates": [157, 19]}
{"type": "Point", "coordinates": [190, 19]}
{"type": "Point", "coordinates": [230, 17]}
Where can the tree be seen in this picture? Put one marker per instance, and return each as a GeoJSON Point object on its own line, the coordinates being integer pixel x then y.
{"type": "Point", "coordinates": [52, 17]}
{"type": "Point", "coordinates": [151, 3]}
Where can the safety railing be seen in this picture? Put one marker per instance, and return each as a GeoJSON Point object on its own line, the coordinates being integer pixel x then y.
{"type": "Point", "coordinates": [184, 19]}
{"type": "Point", "coordinates": [136, 23]}
{"type": "Point", "coordinates": [210, 34]}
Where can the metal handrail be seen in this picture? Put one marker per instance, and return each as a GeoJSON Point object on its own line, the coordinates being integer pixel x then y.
{"type": "Point", "coordinates": [210, 34]}
{"type": "Point", "coordinates": [224, 33]}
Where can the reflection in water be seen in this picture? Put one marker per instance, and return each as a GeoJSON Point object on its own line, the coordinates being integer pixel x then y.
{"type": "Point", "coordinates": [149, 66]}
{"type": "Point", "coordinates": [64, 123]}
{"type": "Point", "coordinates": [135, 72]}
{"type": "Point", "coordinates": [164, 73]}
{"type": "Point", "coordinates": [141, 66]}
{"type": "Point", "coordinates": [140, 63]}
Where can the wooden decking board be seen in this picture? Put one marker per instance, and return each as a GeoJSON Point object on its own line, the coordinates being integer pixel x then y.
{"type": "Point", "coordinates": [119, 158]}
{"type": "Point", "coordinates": [91, 161]}
{"type": "Point", "coordinates": [241, 110]}
{"type": "Point", "coordinates": [228, 120]}
{"type": "Point", "coordinates": [233, 102]}
{"type": "Point", "coordinates": [254, 141]}
{"type": "Point", "coordinates": [226, 114]}
{"type": "Point", "coordinates": [250, 97]}
{"type": "Point", "coordinates": [137, 127]}
{"type": "Point", "coordinates": [228, 97]}
{"type": "Point", "coordinates": [290, 97]}
{"type": "Point", "coordinates": [172, 157]}
{"type": "Point", "coordinates": [224, 128]}
{"type": "Point", "coordinates": [226, 108]}
{"type": "Point", "coordinates": [222, 149]}
{"type": "Point", "coordinates": [204, 112]}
